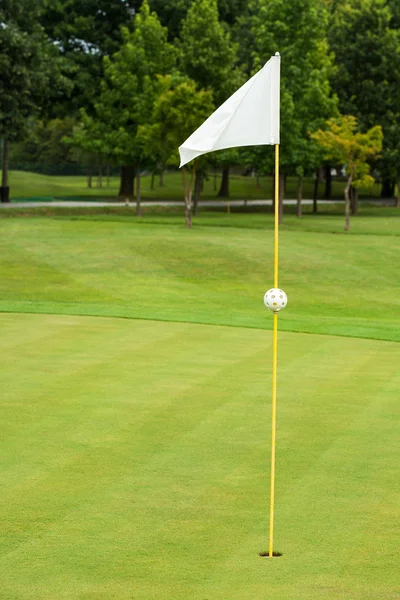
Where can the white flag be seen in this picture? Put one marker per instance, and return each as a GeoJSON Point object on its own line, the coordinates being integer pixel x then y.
{"type": "Point", "coordinates": [250, 117]}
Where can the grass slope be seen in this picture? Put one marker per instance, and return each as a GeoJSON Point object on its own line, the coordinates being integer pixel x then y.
{"type": "Point", "coordinates": [26, 185]}
{"type": "Point", "coordinates": [136, 463]}
{"type": "Point", "coordinates": [336, 284]}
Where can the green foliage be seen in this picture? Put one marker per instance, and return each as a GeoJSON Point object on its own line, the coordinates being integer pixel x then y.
{"type": "Point", "coordinates": [207, 53]}
{"type": "Point", "coordinates": [297, 30]}
{"type": "Point", "coordinates": [131, 84]}
{"type": "Point", "coordinates": [43, 144]}
{"type": "Point", "coordinates": [344, 145]}
{"type": "Point", "coordinates": [84, 32]}
{"type": "Point", "coordinates": [365, 37]}
{"type": "Point", "coordinates": [92, 27]}
{"type": "Point", "coordinates": [29, 69]}
{"type": "Point", "coordinates": [178, 111]}
{"type": "Point", "coordinates": [173, 12]}
{"type": "Point", "coordinates": [90, 139]}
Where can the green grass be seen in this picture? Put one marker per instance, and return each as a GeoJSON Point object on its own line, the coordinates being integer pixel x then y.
{"type": "Point", "coordinates": [26, 185]}
{"type": "Point", "coordinates": [136, 463]}
{"type": "Point", "coordinates": [136, 450]}
{"type": "Point", "coordinates": [156, 269]}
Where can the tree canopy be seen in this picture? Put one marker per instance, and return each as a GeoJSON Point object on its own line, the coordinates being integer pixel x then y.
{"type": "Point", "coordinates": [104, 67]}
{"type": "Point", "coordinates": [346, 146]}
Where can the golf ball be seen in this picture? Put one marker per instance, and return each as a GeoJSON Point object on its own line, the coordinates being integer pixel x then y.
{"type": "Point", "coordinates": [275, 299]}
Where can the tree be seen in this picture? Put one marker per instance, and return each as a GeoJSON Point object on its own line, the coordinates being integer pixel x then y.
{"type": "Point", "coordinates": [297, 30]}
{"type": "Point", "coordinates": [365, 37]}
{"type": "Point", "coordinates": [92, 140]}
{"type": "Point", "coordinates": [179, 111]}
{"type": "Point", "coordinates": [43, 146]}
{"type": "Point", "coordinates": [210, 58]}
{"type": "Point", "coordinates": [29, 72]}
{"type": "Point", "coordinates": [130, 88]}
{"type": "Point", "coordinates": [84, 32]}
{"type": "Point", "coordinates": [207, 53]}
{"type": "Point", "coordinates": [344, 145]}
{"type": "Point", "coordinates": [173, 12]}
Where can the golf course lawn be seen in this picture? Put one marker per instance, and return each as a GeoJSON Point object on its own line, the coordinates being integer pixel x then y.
{"type": "Point", "coordinates": [135, 409]}
{"type": "Point", "coordinates": [28, 186]}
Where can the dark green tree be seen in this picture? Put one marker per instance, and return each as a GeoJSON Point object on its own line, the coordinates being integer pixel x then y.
{"type": "Point", "coordinates": [297, 30]}
{"type": "Point", "coordinates": [209, 56]}
{"type": "Point", "coordinates": [130, 88]}
{"type": "Point", "coordinates": [29, 73]}
{"type": "Point", "coordinates": [84, 32]}
{"type": "Point", "coordinates": [173, 12]}
{"type": "Point", "coordinates": [365, 37]}
{"type": "Point", "coordinates": [43, 147]}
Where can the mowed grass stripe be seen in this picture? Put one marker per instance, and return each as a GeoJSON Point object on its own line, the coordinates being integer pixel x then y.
{"type": "Point", "coordinates": [137, 462]}
{"type": "Point", "coordinates": [338, 285]}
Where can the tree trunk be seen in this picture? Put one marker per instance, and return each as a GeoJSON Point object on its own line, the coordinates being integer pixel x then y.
{"type": "Point", "coordinates": [299, 195]}
{"type": "Point", "coordinates": [398, 192]}
{"type": "Point", "coordinates": [161, 180]}
{"type": "Point", "coordinates": [138, 192]}
{"type": "Point", "coordinates": [315, 195]}
{"type": "Point", "coordinates": [387, 190]}
{"type": "Point", "coordinates": [89, 177]}
{"type": "Point", "coordinates": [108, 175]}
{"type": "Point", "coordinates": [328, 183]}
{"type": "Point", "coordinates": [126, 183]}
{"type": "Point", "coordinates": [354, 200]}
{"type": "Point", "coordinates": [215, 180]}
{"type": "Point", "coordinates": [347, 203]}
{"type": "Point", "coordinates": [152, 181]}
{"type": "Point", "coordinates": [4, 189]}
{"type": "Point", "coordinates": [197, 191]}
{"type": "Point", "coordinates": [100, 176]}
{"type": "Point", "coordinates": [224, 189]}
{"type": "Point", "coordinates": [282, 180]}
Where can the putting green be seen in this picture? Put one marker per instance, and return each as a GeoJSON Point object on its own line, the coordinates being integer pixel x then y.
{"type": "Point", "coordinates": [136, 462]}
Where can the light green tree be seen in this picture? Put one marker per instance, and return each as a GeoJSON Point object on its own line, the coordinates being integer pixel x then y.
{"type": "Point", "coordinates": [344, 145]}
{"type": "Point", "coordinates": [178, 111]}
{"type": "Point", "coordinates": [207, 53]}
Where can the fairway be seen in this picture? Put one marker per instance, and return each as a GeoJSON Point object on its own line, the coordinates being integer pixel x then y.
{"type": "Point", "coordinates": [135, 410]}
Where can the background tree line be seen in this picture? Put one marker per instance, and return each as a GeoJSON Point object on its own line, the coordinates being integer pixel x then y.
{"type": "Point", "coordinates": [121, 83]}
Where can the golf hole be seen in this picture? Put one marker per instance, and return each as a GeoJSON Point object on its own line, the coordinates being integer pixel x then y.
{"type": "Point", "coordinates": [274, 554]}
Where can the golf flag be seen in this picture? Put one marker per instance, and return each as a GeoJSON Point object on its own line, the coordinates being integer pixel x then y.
{"type": "Point", "coordinates": [250, 117]}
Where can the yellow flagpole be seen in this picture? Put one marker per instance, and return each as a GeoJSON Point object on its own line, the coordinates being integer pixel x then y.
{"type": "Point", "coordinates": [275, 357]}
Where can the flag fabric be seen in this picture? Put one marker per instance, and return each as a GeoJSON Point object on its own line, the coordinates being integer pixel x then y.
{"type": "Point", "coordinates": [250, 117]}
